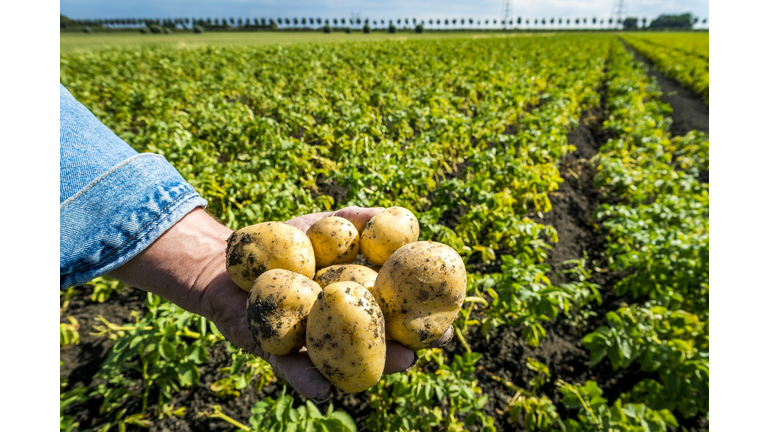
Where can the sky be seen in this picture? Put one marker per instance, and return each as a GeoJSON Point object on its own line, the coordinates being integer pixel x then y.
{"type": "Point", "coordinates": [390, 9]}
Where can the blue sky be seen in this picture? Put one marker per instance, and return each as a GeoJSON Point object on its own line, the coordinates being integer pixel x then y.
{"type": "Point", "coordinates": [391, 9]}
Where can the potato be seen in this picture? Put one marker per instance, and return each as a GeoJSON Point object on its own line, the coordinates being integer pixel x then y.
{"type": "Point", "coordinates": [386, 232]}
{"type": "Point", "coordinates": [363, 275]}
{"type": "Point", "coordinates": [420, 289]}
{"type": "Point", "coordinates": [265, 246]}
{"type": "Point", "coordinates": [345, 337]}
{"type": "Point", "coordinates": [278, 306]}
{"type": "Point", "coordinates": [335, 240]}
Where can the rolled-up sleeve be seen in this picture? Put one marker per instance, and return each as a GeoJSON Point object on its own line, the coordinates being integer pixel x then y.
{"type": "Point", "coordinates": [114, 202]}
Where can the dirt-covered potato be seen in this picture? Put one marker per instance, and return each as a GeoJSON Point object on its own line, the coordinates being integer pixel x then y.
{"type": "Point", "coordinates": [335, 240]}
{"type": "Point", "coordinates": [386, 232]}
{"type": "Point", "coordinates": [278, 306]}
{"type": "Point", "coordinates": [420, 289]}
{"type": "Point", "coordinates": [363, 275]}
{"type": "Point", "coordinates": [345, 337]}
{"type": "Point", "coordinates": [265, 246]}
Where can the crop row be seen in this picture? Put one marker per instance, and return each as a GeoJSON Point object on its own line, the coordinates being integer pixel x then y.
{"type": "Point", "coordinates": [659, 232]}
{"type": "Point", "coordinates": [689, 43]}
{"type": "Point", "coordinates": [684, 58]}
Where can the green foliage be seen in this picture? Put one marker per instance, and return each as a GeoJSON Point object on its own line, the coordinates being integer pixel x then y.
{"type": "Point", "coordinates": [466, 133]}
{"type": "Point", "coordinates": [523, 296]}
{"type": "Point", "coordinates": [279, 415]}
{"type": "Point", "coordinates": [104, 287]}
{"type": "Point", "coordinates": [684, 58]}
{"type": "Point", "coordinates": [673, 343]}
{"type": "Point", "coordinates": [420, 28]}
{"type": "Point", "coordinates": [680, 22]}
{"type": "Point", "coordinates": [197, 29]}
{"type": "Point", "coordinates": [67, 423]}
{"type": "Point", "coordinates": [538, 412]}
{"type": "Point", "coordinates": [159, 351]}
{"type": "Point", "coordinates": [658, 232]}
{"type": "Point", "coordinates": [366, 28]}
{"type": "Point", "coordinates": [594, 413]}
{"type": "Point", "coordinates": [244, 368]}
{"type": "Point", "coordinates": [411, 401]}
{"type": "Point", "coordinates": [392, 28]}
{"type": "Point", "coordinates": [630, 23]}
{"type": "Point", "coordinates": [68, 332]}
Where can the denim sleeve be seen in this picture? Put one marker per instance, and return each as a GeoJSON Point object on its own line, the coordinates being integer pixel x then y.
{"type": "Point", "coordinates": [114, 202]}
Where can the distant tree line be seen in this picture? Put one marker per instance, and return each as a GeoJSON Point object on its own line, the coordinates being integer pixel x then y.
{"type": "Point", "coordinates": [166, 25]}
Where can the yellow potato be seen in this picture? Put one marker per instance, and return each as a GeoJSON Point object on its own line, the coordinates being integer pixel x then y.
{"type": "Point", "coordinates": [345, 337]}
{"type": "Point", "coordinates": [278, 306]}
{"type": "Point", "coordinates": [420, 289]}
{"type": "Point", "coordinates": [386, 232]}
{"type": "Point", "coordinates": [265, 246]}
{"type": "Point", "coordinates": [335, 240]}
{"type": "Point", "coordinates": [363, 275]}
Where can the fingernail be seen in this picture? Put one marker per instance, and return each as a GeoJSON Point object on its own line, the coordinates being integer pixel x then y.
{"type": "Point", "coordinates": [449, 339]}
{"type": "Point", "coordinates": [317, 401]}
{"type": "Point", "coordinates": [415, 361]}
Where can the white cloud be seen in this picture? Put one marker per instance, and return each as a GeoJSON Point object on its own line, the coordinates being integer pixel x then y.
{"type": "Point", "coordinates": [391, 9]}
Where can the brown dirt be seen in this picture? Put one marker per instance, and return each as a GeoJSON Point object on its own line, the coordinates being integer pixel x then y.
{"type": "Point", "coordinates": [328, 186]}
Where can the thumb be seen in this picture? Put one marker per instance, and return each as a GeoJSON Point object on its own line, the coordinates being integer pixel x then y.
{"type": "Point", "coordinates": [301, 374]}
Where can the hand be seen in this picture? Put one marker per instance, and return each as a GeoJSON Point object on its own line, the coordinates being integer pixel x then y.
{"type": "Point", "coordinates": [186, 265]}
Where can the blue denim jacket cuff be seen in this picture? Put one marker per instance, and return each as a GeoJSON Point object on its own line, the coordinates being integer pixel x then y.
{"type": "Point", "coordinates": [118, 215]}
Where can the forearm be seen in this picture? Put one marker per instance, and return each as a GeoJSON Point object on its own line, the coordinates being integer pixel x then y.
{"type": "Point", "coordinates": [182, 262]}
{"type": "Point", "coordinates": [113, 202]}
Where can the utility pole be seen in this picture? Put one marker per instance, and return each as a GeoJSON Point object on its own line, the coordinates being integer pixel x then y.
{"type": "Point", "coordinates": [619, 10]}
{"type": "Point", "coordinates": [506, 15]}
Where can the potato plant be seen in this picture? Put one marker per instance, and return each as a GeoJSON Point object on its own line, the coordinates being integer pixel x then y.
{"type": "Point", "coordinates": [467, 135]}
{"type": "Point", "coordinates": [407, 401]}
{"type": "Point", "coordinates": [241, 372]}
{"type": "Point", "coordinates": [161, 350]}
{"type": "Point", "coordinates": [659, 232]}
{"type": "Point", "coordinates": [684, 58]}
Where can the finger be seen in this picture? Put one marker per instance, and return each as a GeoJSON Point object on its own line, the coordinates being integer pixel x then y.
{"type": "Point", "coordinates": [304, 222]}
{"type": "Point", "coordinates": [225, 304]}
{"type": "Point", "coordinates": [445, 338]}
{"type": "Point", "coordinates": [399, 358]}
{"type": "Point", "coordinates": [359, 216]}
{"type": "Point", "coordinates": [302, 375]}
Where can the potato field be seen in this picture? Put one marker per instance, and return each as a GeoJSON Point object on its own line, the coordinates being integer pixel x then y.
{"type": "Point", "coordinates": [548, 162]}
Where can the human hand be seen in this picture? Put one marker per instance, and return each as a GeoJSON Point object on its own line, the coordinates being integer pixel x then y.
{"type": "Point", "coordinates": [186, 265]}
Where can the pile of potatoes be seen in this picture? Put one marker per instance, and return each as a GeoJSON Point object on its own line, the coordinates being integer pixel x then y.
{"type": "Point", "coordinates": [305, 291]}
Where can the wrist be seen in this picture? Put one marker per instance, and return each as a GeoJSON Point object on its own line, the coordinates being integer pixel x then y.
{"type": "Point", "coordinates": [182, 263]}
